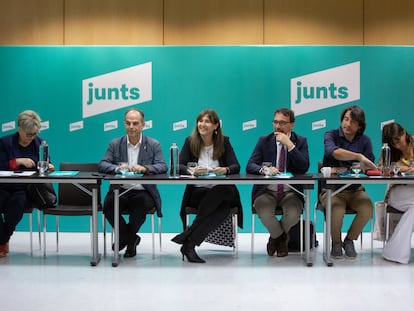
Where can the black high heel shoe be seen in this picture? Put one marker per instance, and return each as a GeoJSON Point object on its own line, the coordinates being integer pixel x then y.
{"type": "Point", "coordinates": [188, 251]}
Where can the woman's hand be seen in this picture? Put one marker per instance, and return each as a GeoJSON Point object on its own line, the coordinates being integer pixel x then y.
{"type": "Point", "coordinates": [26, 162]}
{"type": "Point", "coordinates": [220, 170]}
{"type": "Point", "coordinates": [200, 171]}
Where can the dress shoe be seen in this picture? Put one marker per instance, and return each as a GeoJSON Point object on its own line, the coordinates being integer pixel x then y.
{"type": "Point", "coordinates": [271, 246]}
{"type": "Point", "coordinates": [282, 245]}
{"type": "Point", "coordinates": [131, 250]}
{"type": "Point", "coordinates": [122, 245]}
{"type": "Point", "coordinates": [278, 246]}
{"type": "Point", "coordinates": [188, 251]}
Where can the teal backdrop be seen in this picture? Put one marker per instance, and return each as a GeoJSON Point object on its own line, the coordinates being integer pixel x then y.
{"type": "Point", "coordinates": [244, 84]}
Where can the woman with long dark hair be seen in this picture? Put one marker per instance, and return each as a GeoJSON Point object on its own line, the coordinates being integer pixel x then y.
{"type": "Point", "coordinates": [214, 154]}
{"type": "Point", "coordinates": [401, 197]}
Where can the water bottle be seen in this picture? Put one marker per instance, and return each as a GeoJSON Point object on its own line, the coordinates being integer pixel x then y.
{"type": "Point", "coordinates": [385, 159]}
{"type": "Point", "coordinates": [44, 151]}
{"type": "Point", "coordinates": [174, 164]}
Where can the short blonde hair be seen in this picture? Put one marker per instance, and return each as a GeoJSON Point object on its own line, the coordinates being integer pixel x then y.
{"type": "Point", "coordinates": [29, 121]}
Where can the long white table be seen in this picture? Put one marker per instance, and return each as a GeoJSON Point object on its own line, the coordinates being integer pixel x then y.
{"type": "Point", "coordinates": [344, 182]}
{"type": "Point", "coordinates": [77, 180]}
{"type": "Point", "coordinates": [307, 181]}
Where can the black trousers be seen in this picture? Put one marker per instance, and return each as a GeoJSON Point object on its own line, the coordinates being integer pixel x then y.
{"type": "Point", "coordinates": [135, 203]}
{"type": "Point", "coordinates": [12, 206]}
{"type": "Point", "coordinates": [213, 206]}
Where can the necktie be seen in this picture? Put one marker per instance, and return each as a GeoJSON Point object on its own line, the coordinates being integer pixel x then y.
{"type": "Point", "coordinates": [282, 157]}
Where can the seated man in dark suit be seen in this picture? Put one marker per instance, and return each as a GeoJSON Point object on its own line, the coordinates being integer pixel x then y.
{"type": "Point", "coordinates": [141, 154]}
{"type": "Point", "coordinates": [287, 151]}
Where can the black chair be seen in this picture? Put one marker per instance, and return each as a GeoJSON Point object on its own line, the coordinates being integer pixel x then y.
{"type": "Point", "coordinates": [73, 201]}
{"type": "Point", "coordinates": [189, 210]}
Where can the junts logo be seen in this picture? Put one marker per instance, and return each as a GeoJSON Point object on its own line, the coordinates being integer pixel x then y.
{"type": "Point", "coordinates": [117, 89]}
{"type": "Point", "coordinates": [326, 88]}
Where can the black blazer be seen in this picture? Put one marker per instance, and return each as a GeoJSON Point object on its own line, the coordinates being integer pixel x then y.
{"type": "Point", "coordinates": [266, 151]}
{"type": "Point", "coordinates": [228, 159]}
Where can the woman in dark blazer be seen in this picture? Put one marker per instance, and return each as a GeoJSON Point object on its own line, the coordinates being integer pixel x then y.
{"type": "Point", "coordinates": [214, 154]}
{"type": "Point", "coordinates": [18, 151]}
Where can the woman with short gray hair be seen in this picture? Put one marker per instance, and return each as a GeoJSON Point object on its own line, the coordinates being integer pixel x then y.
{"type": "Point", "coordinates": [18, 151]}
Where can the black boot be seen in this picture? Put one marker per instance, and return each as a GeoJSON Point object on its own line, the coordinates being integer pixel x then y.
{"type": "Point", "coordinates": [188, 251]}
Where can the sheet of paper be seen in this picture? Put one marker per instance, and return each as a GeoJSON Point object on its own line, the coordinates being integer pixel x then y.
{"type": "Point", "coordinates": [19, 173]}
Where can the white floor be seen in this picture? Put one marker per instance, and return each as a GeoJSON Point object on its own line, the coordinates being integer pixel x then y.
{"type": "Point", "coordinates": [66, 281]}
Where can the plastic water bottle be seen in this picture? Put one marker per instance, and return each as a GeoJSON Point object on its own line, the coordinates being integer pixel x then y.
{"type": "Point", "coordinates": [385, 160]}
{"type": "Point", "coordinates": [174, 163]}
{"type": "Point", "coordinates": [44, 151]}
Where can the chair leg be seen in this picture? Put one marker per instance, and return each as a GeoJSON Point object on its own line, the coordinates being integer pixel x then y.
{"type": "Point", "coordinates": [301, 233]}
{"type": "Point", "coordinates": [104, 234]}
{"type": "Point", "coordinates": [235, 234]}
{"type": "Point", "coordinates": [31, 233]}
{"type": "Point", "coordinates": [153, 235]}
{"type": "Point", "coordinates": [44, 235]}
{"type": "Point", "coordinates": [187, 220]}
{"type": "Point", "coordinates": [39, 229]}
{"type": "Point", "coordinates": [160, 232]}
{"type": "Point", "coordinates": [252, 236]}
{"type": "Point", "coordinates": [372, 236]}
{"type": "Point", "coordinates": [57, 234]}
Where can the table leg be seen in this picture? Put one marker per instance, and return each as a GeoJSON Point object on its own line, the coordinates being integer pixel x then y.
{"type": "Point", "coordinates": [115, 261]}
{"type": "Point", "coordinates": [327, 242]}
{"type": "Point", "coordinates": [308, 258]}
{"type": "Point", "coordinates": [95, 252]}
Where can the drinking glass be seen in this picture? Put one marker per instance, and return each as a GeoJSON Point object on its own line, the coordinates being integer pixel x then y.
{"type": "Point", "coordinates": [123, 168]}
{"type": "Point", "coordinates": [356, 168]}
{"type": "Point", "coordinates": [191, 166]}
{"type": "Point", "coordinates": [395, 166]}
{"type": "Point", "coordinates": [267, 168]}
{"type": "Point", "coordinates": [42, 166]}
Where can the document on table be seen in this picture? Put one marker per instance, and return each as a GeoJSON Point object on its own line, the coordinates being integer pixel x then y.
{"type": "Point", "coordinates": [17, 173]}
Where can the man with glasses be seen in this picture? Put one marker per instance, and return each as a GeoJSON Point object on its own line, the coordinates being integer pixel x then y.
{"type": "Point", "coordinates": [141, 154]}
{"type": "Point", "coordinates": [18, 151]}
{"type": "Point", "coordinates": [288, 152]}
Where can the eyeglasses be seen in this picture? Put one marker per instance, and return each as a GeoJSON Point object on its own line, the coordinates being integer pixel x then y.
{"type": "Point", "coordinates": [30, 134]}
{"type": "Point", "coordinates": [281, 123]}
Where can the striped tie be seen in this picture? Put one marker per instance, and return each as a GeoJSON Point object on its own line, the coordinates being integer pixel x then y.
{"type": "Point", "coordinates": [282, 158]}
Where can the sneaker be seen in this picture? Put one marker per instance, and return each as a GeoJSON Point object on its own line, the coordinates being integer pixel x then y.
{"type": "Point", "coordinates": [349, 248]}
{"type": "Point", "coordinates": [336, 251]}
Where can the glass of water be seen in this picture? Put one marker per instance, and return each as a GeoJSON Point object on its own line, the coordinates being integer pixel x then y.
{"type": "Point", "coordinates": [267, 168]}
{"type": "Point", "coordinates": [356, 168]}
{"type": "Point", "coordinates": [396, 169]}
{"type": "Point", "coordinates": [191, 166]}
{"type": "Point", "coordinates": [42, 166]}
